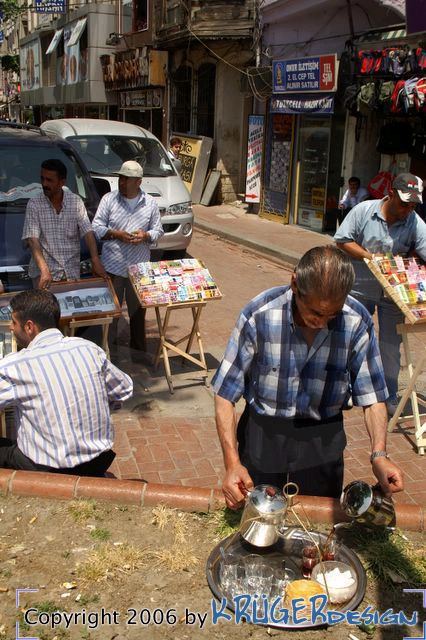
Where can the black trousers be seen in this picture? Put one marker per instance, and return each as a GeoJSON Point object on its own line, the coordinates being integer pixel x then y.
{"type": "Point", "coordinates": [301, 450]}
{"type": "Point", "coordinates": [11, 457]}
{"type": "Point", "coordinates": [124, 289]}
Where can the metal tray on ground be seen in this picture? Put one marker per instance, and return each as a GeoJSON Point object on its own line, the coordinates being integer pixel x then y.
{"type": "Point", "coordinates": [288, 548]}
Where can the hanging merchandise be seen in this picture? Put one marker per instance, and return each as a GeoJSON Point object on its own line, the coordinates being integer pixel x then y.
{"type": "Point", "coordinates": [367, 98]}
{"type": "Point", "coordinates": [407, 95]}
{"type": "Point", "coordinates": [350, 99]}
{"type": "Point", "coordinates": [395, 137]}
{"type": "Point", "coordinates": [419, 92]}
{"type": "Point", "coordinates": [381, 184]}
{"type": "Point", "coordinates": [385, 95]}
{"type": "Point", "coordinates": [396, 106]}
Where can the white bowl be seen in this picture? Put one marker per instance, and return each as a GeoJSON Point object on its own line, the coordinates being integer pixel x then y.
{"type": "Point", "coordinates": [337, 594]}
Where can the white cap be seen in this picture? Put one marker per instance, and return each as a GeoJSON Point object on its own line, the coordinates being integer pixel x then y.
{"type": "Point", "coordinates": [131, 169]}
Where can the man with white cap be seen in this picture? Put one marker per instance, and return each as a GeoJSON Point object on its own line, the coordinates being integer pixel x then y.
{"type": "Point", "coordinates": [127, 222]}
{"type": "Point", "coordinates": [377, 227]}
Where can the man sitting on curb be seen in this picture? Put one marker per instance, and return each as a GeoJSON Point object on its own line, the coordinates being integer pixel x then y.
{"type": "Point", "coordinates": [62, 390]}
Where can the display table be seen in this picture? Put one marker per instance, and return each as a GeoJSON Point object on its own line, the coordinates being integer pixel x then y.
{"type": "Point", "coordinates": [404, 281]}
{"type": "Point", "coordinates": [175, 285]}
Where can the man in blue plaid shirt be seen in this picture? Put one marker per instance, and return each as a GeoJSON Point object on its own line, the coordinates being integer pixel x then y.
{"type": "Point", "coordinates": [296, 355]}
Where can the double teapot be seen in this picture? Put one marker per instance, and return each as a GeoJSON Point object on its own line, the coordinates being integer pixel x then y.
{"type": "Point", "coordinates": [265, 510]}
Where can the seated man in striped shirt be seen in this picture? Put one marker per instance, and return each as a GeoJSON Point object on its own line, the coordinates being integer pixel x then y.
{"type": "Point", "coordinates": [294, 355]}
{"type": "Point", "coordinates": [62, 390]}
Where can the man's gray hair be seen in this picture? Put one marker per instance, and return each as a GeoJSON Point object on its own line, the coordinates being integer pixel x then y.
{"type": "Point", "coordinates": [325, 272]}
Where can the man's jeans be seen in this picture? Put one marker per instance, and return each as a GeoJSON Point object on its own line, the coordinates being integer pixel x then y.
{"type": "Point", "coordinates": [389, 317]}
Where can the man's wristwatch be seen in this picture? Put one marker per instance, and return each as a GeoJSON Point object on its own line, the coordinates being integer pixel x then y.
{"type": "Point", "coordinates": [378, 454]}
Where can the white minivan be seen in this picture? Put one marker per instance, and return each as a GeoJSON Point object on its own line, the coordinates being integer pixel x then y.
{"type": "Point", "coordinates": [105, 144]}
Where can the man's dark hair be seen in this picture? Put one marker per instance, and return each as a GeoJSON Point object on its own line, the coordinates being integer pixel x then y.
{"type": "Point", "coordinates": [37, 305]}
{"type": "Point", "coordinates": [175, 140]}
{"type": "Point", "coordinates": [325, 272]}
{"type": "Point", "coordinates": [355, 179]}
{"type": "Point", "coordinates": [53, 164]}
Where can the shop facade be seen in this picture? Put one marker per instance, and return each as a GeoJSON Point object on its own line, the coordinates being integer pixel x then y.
{"type": "Point", "coordinates": [308, 134]}
{"type": "Point", "coordinates": [61, 74]}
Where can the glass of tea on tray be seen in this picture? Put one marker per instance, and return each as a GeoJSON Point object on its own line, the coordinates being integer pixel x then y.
{"type": "Point", "coordinates": [310, 557]}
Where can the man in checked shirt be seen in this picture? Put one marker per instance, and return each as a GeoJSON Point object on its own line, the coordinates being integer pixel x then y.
{"type": "Point", "coordinates": [54, 223]}
{"type": "Point", "coordinates": [127, 222]}
{"type": "Point", "coordinates": [295, 355]}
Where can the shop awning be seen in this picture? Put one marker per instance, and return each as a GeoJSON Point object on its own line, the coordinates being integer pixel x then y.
{"type": "Point", "coordinates": [299, 103]}
{"type": "Point", "coordinates": [77, 31]}
{"type": "Point", "coordinates": [382, 36]}
{"type": "Point", "coordinates": [55, 41]}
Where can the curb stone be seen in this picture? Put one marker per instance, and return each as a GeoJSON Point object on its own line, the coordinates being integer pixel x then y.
{"type": "Point", "coordinates": [67, 487]}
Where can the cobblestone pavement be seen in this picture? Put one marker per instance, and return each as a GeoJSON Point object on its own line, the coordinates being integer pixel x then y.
{"type": "Point", "coordinates": [172, 438]}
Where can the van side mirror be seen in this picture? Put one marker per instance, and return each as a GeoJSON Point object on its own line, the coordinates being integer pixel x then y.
{"type": "Point", "coordinates": [102, 186]}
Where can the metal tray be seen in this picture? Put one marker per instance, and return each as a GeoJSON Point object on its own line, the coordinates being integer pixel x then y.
{"type": "Point", "coordinates": [288, 548]}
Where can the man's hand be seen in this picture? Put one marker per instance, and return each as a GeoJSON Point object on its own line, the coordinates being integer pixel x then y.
{"type": "Point", "coordinates": [122, 236]}
{"type": "Point", "coordinates": [98, 268]}
{"type": "Point", "coordinates": [235, 485]}
{"type": "Point", "coordinates": [389, 475]}
{"type": "Point", "coordinates": [45, 279]}
{"type": "Point", "coordinates": [140, 236]}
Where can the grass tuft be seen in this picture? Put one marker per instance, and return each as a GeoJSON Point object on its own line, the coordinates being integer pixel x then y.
{"type": "Point", "coordinates": [82, 510]}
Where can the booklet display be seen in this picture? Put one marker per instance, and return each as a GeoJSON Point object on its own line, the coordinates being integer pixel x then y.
{"type": "Point", "coordinates": [404, 280]}
{"type": "Point", "coordinates": [79, 301]}
{"type": "Point", "coordinates": [172, 281]}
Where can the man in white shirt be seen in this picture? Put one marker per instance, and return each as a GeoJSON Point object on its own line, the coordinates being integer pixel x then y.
{"type": "Point", "coordinates": [127, 222]}
{"type": "Point", "coordinates": [62, 390]}
{"type": "Point", "coordinates": [352, 196]}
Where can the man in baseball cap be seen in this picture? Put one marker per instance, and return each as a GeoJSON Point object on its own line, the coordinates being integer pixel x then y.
{"type": "Point", "coordinates": [389, 225]}
{"type": "Point", "coordinates": [409, 187]}
{"type": "Point", "coordinates": [131, 169]}
{"type": "Point", "coordinates": [128, 223]}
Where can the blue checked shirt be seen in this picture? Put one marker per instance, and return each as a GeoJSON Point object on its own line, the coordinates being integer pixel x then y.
{"type": "Point", "coordinates": [114, 212]}
{"type": "Point", "coordinates": [61, 389]}
{"type": "Point", "coordinates": [269, 363]}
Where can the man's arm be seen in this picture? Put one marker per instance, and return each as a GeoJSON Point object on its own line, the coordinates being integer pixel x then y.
{"type": "Point", "coordinates": [97, 266]}
{"type": "Point", "coordinates": [237, 480]}
{"type": "Point", "coordinates": [387, 472]}
{"type": "Point", "coordinates": [119, 385]}
{"type": "Point", "coordinates": [101, 221]}
{"type": "Point", "coordinates": [354, 250]}
{"type": "Point", "coordinates": [37, 253]}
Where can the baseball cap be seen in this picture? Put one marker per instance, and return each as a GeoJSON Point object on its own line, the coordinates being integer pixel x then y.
{"type": "Point", "coordinates": [131, 169]}
{"type": "Point", "coordinates": [409, 187]}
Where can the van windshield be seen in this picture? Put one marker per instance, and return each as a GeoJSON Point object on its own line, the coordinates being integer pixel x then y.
{"type": "Point", "coordinates": [105, 154]}
{"type": "Point", "coordinates": [20, 172]}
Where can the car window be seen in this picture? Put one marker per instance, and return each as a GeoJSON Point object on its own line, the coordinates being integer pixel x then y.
{"type": "Point", "coordinates": [20, 171]}
{"type": "Point", "coordinates": [105, 154]}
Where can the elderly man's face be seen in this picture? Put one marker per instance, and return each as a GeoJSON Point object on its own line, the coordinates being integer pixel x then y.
{"type": "Point", "coordinates": [129, 187]}
{"type": "Point", "coordinates": [315, 311]}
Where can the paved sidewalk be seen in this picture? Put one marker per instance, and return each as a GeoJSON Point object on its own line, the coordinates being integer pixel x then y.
{"type": "Point", "coordinates": [172, 439]}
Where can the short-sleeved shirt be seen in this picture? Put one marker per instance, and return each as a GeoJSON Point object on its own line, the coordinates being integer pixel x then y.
{"type": "Point", "coordinates": [349, 201]}
{"type": "Point", "coordinates": [115, 212]}
{"type": "Point", "coordinates": [366, 225]}
{"type": "Point", "coordinates": [268, 362]}
{"type": "Point", "coordinates": [59, 234]}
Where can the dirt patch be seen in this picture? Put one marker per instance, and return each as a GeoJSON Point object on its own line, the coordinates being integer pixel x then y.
{"type": "Point", "coordinates": [91, 558]}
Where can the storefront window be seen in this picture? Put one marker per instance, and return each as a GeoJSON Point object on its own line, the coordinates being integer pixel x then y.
{"type": "Point", "coordinates": [275, 197]}
{"type": "Point", "coordinates": [313, 151]}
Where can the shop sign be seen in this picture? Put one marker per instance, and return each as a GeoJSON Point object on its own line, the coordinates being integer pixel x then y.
{"type": "Point", "coordinates": [145, 99]}
{"type": "Point", "coordinates": [50, 6]}
{"type": "Point", "coordinates": [313, 74]}
{"type": "Point", "coordinates": [318, 197]}
{"type": "Point", "coordinates": [254, 158]}
{"type": "Point", "coordinates": [311, 219]}
{"type": "Point", "coordinates": [29, 60]}
{"type": "Point", "coordinates": [126, 69]}
{"type": "Point", "coordinates": [302, 104]}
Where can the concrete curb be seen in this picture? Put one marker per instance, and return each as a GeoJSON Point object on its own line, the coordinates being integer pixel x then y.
{"type": "Point", "coordinates": [287, 256]}
{"type": "Point", "coordinates": [58, 486]}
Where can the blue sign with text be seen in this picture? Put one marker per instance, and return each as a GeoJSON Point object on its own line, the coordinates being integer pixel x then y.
{"type": "Point", "coordinates": [314, 74]}
{"type": "Point", "coordinates": [50, 6]}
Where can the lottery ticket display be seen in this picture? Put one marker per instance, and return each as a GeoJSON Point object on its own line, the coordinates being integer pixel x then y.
{"type": "Point", "coordinates": [404, 280]}
{"type": "Point", "coordinates": [172, 281]}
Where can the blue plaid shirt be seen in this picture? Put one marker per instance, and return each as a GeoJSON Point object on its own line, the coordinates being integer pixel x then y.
{"type": "Point", "coordinates": [268, 361]}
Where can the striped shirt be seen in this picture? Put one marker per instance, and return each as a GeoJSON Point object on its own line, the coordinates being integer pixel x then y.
{"type": "Point", "coordinates": [115, 213]}
{"type": "Point", "coordinates": [61, 389]}
{"type": "Point", "coordinates": [268, 361]}
{"type": "Point", "coordinates": [58, 233]}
